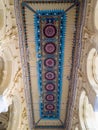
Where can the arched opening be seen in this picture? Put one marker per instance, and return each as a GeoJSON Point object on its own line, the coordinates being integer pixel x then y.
{"type": "Point", "coordinates": [92, 69]}
{"type": "Point", "coordinates": [5, 68]}
{"type": "Point", "coordinates": [87, 115]}
{"type": "Point", "coordinates": [4, 104]}
{"type": "Point", "coordinates": [95, 67]}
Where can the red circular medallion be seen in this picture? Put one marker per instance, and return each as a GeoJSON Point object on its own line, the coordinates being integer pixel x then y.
{"type": "Point", "coordinates": [50, 97]}
{"type": "Point", "coordinates": [50, 48]}
{"type": "Point", "coordinates": [50, 87]}
{"type": "Point", "coordinates": [50, 107]}
{"type": "Point", "coordinates": [50, 75]}
{"type": "Point", "coordinates": [50, 31]}
{"type": "Point", "coordinates": [50, 62]}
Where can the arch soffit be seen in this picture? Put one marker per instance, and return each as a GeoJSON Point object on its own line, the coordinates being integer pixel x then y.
{"type": "Point", "coordinates": [15, 114]}
{"type": "Point", "coordinates": [92, 69]}
{"type": "Point", "coordinates": [86, 113]}
{"type": "Point", "coordinates": [6, 56]}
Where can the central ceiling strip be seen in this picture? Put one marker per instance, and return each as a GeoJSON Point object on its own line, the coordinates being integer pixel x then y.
{"type": "Point", "coordinates": [50, 40]}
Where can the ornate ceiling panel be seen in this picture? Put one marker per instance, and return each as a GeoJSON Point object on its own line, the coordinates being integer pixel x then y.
{"type": "Point", "coordinates": [48, 32]}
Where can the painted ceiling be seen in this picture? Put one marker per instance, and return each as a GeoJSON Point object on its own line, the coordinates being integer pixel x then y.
{"type": "Point", "coordinates": [48, 33]}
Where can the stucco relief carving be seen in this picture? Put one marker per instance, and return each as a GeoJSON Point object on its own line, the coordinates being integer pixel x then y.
{"type": "Point", "coordinates": [96, 16]}
{"type": "Point", "coordinates": [90, 21]}
{"type": "Point", "coordinates": [18, 114]}
{"type": "Point", "coordinates": [89, 41]}
{"type": "Point", "coordinates": [10, 68]}
{"type": "Point", "coordinates": [15, 95]}
{"type": "Point", "coordinates": [92, 75]}
{"type": "Point", "coordinates": [82, 76]}
{"type": "Point", "coordinates": [1, 69]}
{"type": "Point", "coordinates": [5, 68]}
{"type": "Point", "coordinates": [3, 120]}
{"type": "Point", "coordinates": [7, 19]}
{"type": "Point", "coordinates": [1, 18]}
{"type": "Point", "coordinates": [86, 113]}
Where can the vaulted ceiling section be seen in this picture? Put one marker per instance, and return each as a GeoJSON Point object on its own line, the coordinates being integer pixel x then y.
{"type": "Point", "coordinates": [50, 45]}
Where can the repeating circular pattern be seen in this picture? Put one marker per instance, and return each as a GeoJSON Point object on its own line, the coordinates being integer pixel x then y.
{"type": "Point", "coordinates": [50, 87]}
{"type": "Point", "coordinates": [49, 31]}
{"type": "Point", "coordinates": [50, 97]}
{"type": "Point", "coordinates": [50, 107]}
{"type": "Point", "coordinates": [50, 62]}
{"type": "Point", "coordinates": [50, 48]}
{"type": "Point", "coordinates": [50, 75]}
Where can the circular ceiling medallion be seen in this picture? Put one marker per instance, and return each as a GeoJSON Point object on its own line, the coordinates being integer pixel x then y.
{"type": "Point", "coordinates": [49, 97]}
{"type": "Point", "coordinates": [50, 31]}
{"type": "Point", "coordinates": [50, 107]}
{"type": "Point", "coordinates": [50, 87]}
{"type": "Point", "coordinates": [50, 48]}
{"type": "Point", "coordinates": [50, 62]}
{"type": "Point", "coordinates": [50, 75]}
